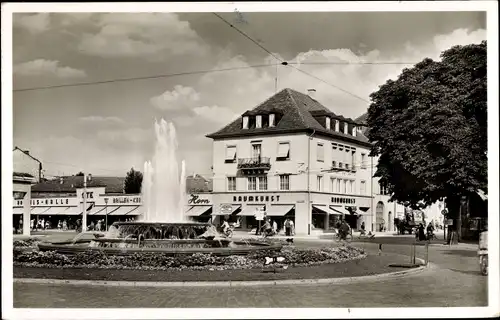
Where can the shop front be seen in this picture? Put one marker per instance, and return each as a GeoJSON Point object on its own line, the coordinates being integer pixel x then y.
{"type": "Point", "coordinates": [199, 207]}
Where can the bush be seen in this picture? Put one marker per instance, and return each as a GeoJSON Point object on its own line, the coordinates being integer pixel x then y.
{"type": "Point", "coordinates": [158, 261]}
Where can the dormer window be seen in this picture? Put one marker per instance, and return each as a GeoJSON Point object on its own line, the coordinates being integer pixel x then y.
{"type": "Point", "coordinates": [346, 128]}
{"type": "Point", "coordinates": [354, 131]}
{"type": "Point", "coordinates": [245, 122]}
{"type": "Point", "coordinates": [271, 120]}
{"type": "Point", "coordinates": [327, 123]}
{"type": "Point", "coordinates": [337, 125]}
{"type": "Point", "coordinates": [258, 122]}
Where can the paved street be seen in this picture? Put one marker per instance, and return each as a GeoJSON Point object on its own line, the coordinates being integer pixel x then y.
{"type": "Point", "coordinates": [452, 280]}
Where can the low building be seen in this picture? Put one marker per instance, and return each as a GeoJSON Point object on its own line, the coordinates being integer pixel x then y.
{"type": "Point", "coordinates": [24, 162]}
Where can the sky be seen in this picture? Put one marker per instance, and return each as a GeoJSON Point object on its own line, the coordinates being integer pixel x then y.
{"type": "Point", "coordinates": [108, 128]}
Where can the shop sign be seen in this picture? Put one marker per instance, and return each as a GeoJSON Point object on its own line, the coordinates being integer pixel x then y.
{"type": "Point", "coordinates": [126, 200]}
{"type": "Point", "coordinates": [226, 209]}
{"type": "Point", "coordinates": [196, 199]}
{"type": "Point", "coordinates": [256, 198]}
{"type": "Point", "coordinates": [343, 200]}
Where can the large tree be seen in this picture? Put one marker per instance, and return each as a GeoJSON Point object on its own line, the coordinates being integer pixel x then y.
{"type": "Point", "coordinates": [429, 128]}
{"type": "Point", "coordinates": [133, 182]}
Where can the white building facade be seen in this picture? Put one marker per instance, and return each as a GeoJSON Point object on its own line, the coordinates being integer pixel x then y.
{"type": "Point", "coordinates": [293, 157]}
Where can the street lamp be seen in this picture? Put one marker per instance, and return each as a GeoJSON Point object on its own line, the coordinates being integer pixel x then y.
{"type": "Point", "coordinates": [106, 221]}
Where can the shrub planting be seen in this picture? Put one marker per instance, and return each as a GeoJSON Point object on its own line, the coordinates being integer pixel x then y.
{"type": "Point", "coordinates": [159, 261]}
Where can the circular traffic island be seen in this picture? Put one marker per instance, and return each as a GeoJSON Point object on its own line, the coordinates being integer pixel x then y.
{"type": "Point", "coordinates": [289, 262]}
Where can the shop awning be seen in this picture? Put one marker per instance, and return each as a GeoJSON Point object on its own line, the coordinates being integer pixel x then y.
{"type": "Point", "coordinates": [250, 210]}
{"type": "Point", "coordinates": [340, 210]}
{"type": "Point", "coordinates": [18, 210]}
{"type": "Point", "coordinates": [53, 211]}
{"type": "Point", "coordinates": [323, 209]}
{"type": "Point", "coordinates": [234, 207]}
{"type": "Point", "coordinates": [135, 212]}
{"type": "Point", "coordinates": [39, 210]}
{"type": "Point", "coordinates": [120, 210]}
{"type": "Point", "coordinates": [279, 210]}
{"type": "Point", "coordinates": [196, 211]}
{"type": "Point", "coordinates": [97, 210]}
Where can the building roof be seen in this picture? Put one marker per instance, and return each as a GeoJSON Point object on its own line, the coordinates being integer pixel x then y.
{"type": "Point", "coordinates": [71, 183]}
{"type": "Point", "coordinates": [112, 184]}
{"type": "Point", "coordinates": [298, 112]}
{"type": "Point", "coordinates": [362, 119]}
{"type": "Point", "coordinates": [26, 152]}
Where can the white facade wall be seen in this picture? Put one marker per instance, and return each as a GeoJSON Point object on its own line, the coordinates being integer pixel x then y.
{"type": "Point", "coordinates": [23, 163]}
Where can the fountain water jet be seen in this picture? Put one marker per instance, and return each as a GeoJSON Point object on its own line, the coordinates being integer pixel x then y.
{"type": "Point", "coordinates": [163, 188]}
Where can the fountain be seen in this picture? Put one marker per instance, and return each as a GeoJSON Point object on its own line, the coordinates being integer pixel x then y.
{"type": "Point", "coordinates": [162, 227]}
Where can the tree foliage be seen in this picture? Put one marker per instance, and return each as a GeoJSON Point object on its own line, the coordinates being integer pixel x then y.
{"type": "Point", "coordinates": [133, 182]}
{"type": "Point", "coordinates": [79, 174]}
{"type": "Point", "coordinates": [429, 128]}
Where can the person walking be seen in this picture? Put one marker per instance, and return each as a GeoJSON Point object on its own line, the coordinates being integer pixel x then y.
{"type": "Point", "coordinates": [363, 228]}
{"type": "Point", "coordinates": [421, 232]}
{"type": "Point", "coordinates": [288, 227]}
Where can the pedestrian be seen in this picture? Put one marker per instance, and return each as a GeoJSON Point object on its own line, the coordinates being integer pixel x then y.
{"type": "Point", "coordinates": [275, 227]}
{"type": "Point", "coordinates": [21, 225]}
{"type": "Point", "coordinates": [59, 225]}
{"type": "Point", "coordinates": [292, 227]}
{"type": "Point", "coordinates": [421, 232]}
{"type": "Point", "coordinates": [98, 225]}
{"type": "Point", "coordinates": [363, 228]}
{"type": "Point", "coordinates": [65, 225]}
{"type": "Point", "coordinates": [288, 227]}
{"type": "Point", "coordinates": [32, 224]}
{"type": "Point", "coordinates": [91, 226]}
{"type": "Point", "coordinates": [47, 224]}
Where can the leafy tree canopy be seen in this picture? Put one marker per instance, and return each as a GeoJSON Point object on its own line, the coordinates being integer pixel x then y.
{"type": "Point", "coordinates": [133, 182]}
{"type": "Point", "coordinates": [429, 128]}
{"type": "Point", "coordinates": [79, 174]}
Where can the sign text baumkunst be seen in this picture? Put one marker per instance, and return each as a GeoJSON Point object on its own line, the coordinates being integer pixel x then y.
{"type": "Point", "coordinates": [256, 198]}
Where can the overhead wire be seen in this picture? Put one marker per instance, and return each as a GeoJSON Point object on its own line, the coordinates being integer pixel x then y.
{"type": "Point", "coordinates": [90, 83]}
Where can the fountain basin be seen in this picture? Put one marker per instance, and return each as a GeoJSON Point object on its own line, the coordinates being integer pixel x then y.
{"type": "Point", "coordinates": [127, 238]}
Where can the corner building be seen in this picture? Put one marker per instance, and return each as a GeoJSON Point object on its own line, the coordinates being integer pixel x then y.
{"type": "Point", "coordinates": [293, 157]}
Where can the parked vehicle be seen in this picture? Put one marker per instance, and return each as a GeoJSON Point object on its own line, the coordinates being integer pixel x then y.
{"type": "Point", "coordinates": [483, 253]}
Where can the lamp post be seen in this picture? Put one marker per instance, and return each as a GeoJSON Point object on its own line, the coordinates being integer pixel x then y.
{"type": "Point", "coordinates": [84, 211]}
{"type": "Point", "coordinates": [106, 221]}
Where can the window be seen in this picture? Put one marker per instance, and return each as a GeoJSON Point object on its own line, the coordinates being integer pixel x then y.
{"type": "Point", "coordinates": [319, 184]}
{"type": "Point", "coordinates": [353, 158]}
{"type": "Point", "coordinates": [230, 154]}
{"type": "Point", "coordinates": [363, 161]}
{"type": "Point", "coordinates": [284, 182]}
{"type": "Point", "coordinates": [347, 166]}
{"type": "Point", "coordinates": [333, 184]}
{"type": "Point", "coordinates": [344, 186]}
{"type": "Point", "coordinates": [383, 189]}
{"type": "Point", "coordinates": [351, 187]}
{"type": "Point", "coordinates": [334, 164]}
{"type": "Point", "coordinates": [283, 151]}
{"type": "Point", "coordinates": [271, 120]}
{"type": "Point", "coordinates": [258, 121]}
{"type": "Point", "coordinates": [327, 124]}
{"type": "Point", "coordinates": [363, 187]}
{"type": "Point", "coordinates": [252, 183]}
{"type": "Point", "coordinates": [320, 152]}
{"type": "Point", "coordinates": [231, 183]}
{"type": "Point", "coordinates": [338, 186]}
{"type": "Point", "coordinates": [256, 150]}
{"type": "Point", "coordinates": [262, 183]}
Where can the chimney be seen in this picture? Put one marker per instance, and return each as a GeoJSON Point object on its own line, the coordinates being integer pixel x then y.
{"type": "Point", "coordinates": [346, 128]}
{"type": "Point", "coordinates": [258, 121]}
{"type": "Point", "coordinates": [61, 180]}
{"type": "Point", "coordinates": [311, 93]}
{"type": "Point", "coordinates": [245, 122]}
{"type": "Point", "coordinates": [271, 120]}
{"type": "Point", "coordinates": [27, 152]}
{"type": "Point", "coordinates": [354, 129]}
{"type": "Point", "coordinates": [337, 125]}
{"type": "Point", "coordinates": [328, 123]}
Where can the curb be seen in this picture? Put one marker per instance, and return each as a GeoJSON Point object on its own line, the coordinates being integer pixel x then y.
{"type": "Point", "coordinates": [377, 277]}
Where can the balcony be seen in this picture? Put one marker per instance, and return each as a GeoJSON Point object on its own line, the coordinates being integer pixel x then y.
{"type": "Point", "coordinates": [257, 165]}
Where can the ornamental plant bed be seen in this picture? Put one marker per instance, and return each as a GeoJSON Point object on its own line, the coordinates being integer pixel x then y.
{"type": "Point", "coordinates": [198, 261]}
{"type": "Point", "coordinates": [370, 265]}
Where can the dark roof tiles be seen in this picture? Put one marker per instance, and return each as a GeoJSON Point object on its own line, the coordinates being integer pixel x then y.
{"type": "Point", "coordinates": [297, 110]}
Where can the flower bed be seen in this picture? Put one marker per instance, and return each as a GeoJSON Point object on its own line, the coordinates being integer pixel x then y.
{"type": "Point", "coordinates": [198, 261]}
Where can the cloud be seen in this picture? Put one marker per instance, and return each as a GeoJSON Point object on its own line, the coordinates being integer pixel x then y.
{"type": "Point", "coordinates": [145, 35]}
{"type": "Point", "coordinates": [216, 114]}
{"type": "Point", "coordinates": [34, 23]}
{"type": "Point", "coordinates": [101, 120]}
{"type": "Point", "coordinates": [41, 67]}
{"type": "Point", "coordinates": [130, 135]}
{"type": "Point", "coordinates": [180, 98]}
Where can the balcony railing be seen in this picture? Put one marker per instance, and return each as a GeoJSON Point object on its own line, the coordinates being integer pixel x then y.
{"type": "Point", "coordinates": [262, 163]}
